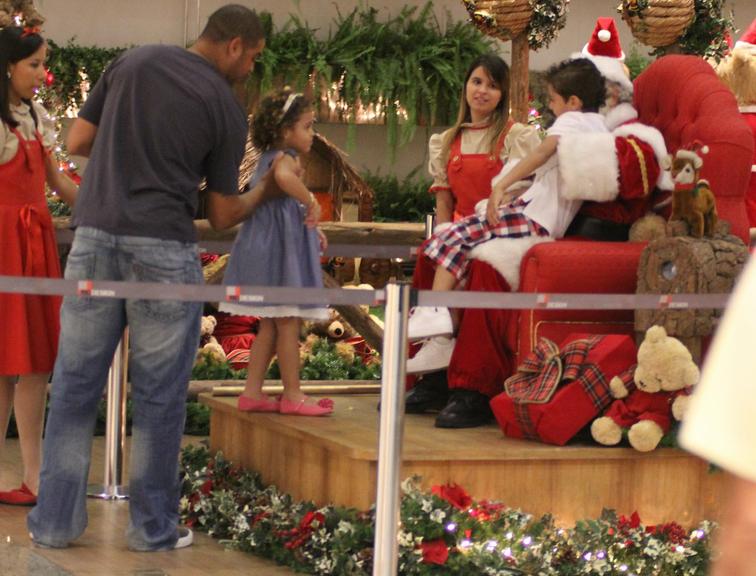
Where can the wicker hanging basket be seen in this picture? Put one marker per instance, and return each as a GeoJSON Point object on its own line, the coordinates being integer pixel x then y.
{"type": "Point", "coordinates": [660, 23]}
{"type": "Point", "coordinates": [502, 19]}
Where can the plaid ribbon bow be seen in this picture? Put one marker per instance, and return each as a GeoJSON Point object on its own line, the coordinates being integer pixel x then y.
{"type": "Point", "coordinates": [544, 369]}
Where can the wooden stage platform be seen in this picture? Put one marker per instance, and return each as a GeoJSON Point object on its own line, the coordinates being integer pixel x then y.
{"type": "Point", "coordinates": [334, 460]}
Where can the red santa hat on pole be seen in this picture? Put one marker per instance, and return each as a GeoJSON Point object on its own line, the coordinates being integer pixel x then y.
{"type": "Point", "coordinates": [605, 40]}
{"type": "Point", "coordinates": [748, 40]}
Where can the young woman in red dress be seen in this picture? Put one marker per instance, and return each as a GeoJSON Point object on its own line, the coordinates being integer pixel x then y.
{"type": "Point", "coordinates": [462, 162]}
{"type": "Point", "coordinates": [27, 246]}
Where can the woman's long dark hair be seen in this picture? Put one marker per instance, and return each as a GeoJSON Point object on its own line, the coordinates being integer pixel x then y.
{"type": "Point", "coordinates": [499, 72]}
{"type": "Point", "coordinates": [15, 45]}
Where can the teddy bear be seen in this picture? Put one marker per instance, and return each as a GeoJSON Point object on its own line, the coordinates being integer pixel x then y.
{"type": "Point", "coordinates": [663, 377]}
{"type": "Point", "coordinates": [334, 327]}
{"type": "Point", "coordinates": [209, 345]}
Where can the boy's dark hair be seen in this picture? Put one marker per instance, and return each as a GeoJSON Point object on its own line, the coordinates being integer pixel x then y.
{"type": "Point", "coordinates": [234, 21]}
{"type": "Point", "coordinates": [15, 45]}
{"type": "Point", "coordinates": [270, 119]}
{"type": "Point", "coordinates": [581, 78]}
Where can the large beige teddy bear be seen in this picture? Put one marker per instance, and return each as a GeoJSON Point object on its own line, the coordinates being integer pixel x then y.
{"type": "Point", "coordinates": [663, 378]}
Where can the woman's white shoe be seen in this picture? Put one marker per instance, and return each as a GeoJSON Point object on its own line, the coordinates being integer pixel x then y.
{"type": "Point", "coordinates": [433, 356]}
{"type": "Point", "coordinates": [428, 321]}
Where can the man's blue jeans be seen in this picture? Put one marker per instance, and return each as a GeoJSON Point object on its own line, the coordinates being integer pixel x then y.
{"type": "Point", "coordinates": [164, 336]}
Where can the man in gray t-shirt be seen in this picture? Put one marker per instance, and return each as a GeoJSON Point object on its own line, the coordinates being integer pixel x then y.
{"type": "Point", "coordinates": [159, 121]}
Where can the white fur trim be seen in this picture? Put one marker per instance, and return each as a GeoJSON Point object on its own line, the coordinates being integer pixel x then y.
{"type": "Point", "coordinates": [505, 255]}
{"type": "Point", "coordinates": [653, 138]}
{"type": "Point", "coordinates": [620, 114]}
{"type": "Point", "coordinates": [589, 167]}
{"type": "Point", "coordinates": [748, 47]}
{"type": "Point", "coordinates": [748, 108]}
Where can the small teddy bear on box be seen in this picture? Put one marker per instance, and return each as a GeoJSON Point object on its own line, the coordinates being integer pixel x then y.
{"type": "Point", "coordinates": [663, 378]}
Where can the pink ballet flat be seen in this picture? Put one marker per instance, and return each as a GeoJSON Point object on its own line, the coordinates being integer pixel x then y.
{"type": "Point", "coordinates": [323, 407]}
{"type": "Point", "coordinates": [247, 404]}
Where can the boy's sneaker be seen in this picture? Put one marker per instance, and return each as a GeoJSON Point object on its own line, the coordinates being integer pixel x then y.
{"type": "Point", "coordinates": [429, 321]}
{"type": "Point", "coordinates": [185, 538]}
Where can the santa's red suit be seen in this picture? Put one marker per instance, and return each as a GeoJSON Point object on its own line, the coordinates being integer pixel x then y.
{"type": "Point", "coordinates": [749, 114]}
{"type": "Point", "coordinates": [633, 153]}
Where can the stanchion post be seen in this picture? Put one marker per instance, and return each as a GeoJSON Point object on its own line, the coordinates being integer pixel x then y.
{"type": "Point", "coordinates": [394, 359]}
{"type": "Point", "coordinates": [115, 426]}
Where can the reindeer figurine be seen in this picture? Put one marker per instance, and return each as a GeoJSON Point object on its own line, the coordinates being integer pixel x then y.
{"type": "Point", "coordinates": [692, 200]}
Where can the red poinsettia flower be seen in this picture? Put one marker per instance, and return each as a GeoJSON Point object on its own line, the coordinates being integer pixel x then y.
{"type": "Point", "coordinates": [207, 487]}
{"type": "Point", "coordinates": [435, 552]}
{"type": "Point", "coordinates": [454, 495]}
{"type": "Point", "coordinates": [626, 524]}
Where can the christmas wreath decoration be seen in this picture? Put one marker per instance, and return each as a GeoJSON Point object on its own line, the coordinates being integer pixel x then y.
{"type": "Point", "coordinates": [505, 19]}
{"type": "Point", "coordinates": [706, 35]}
{"type": "Point", "coordinates": [695, 26]}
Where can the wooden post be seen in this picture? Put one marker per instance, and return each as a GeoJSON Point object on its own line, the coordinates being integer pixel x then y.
{"type": "Point", "coordinates": [520, 73]}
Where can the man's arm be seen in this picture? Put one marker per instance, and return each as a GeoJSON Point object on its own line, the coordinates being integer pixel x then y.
{"type": "Point", "coordinates": [227, 210]}
{"type": "Point", "coordinates": [81, 137]}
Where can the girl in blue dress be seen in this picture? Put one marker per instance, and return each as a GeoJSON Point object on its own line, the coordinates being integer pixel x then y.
{"type": "Point", "coordinates": [279, 245]}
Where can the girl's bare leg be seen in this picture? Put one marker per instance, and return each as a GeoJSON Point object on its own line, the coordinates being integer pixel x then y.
{"type": "Point", "coordinates": [287, 348]}
{"type": "Point", "coordinates": [445, 280]}
{"type": "Point", "coordinates": [7, 389]}
{"type": "Point", "coordinates": [260, 354]}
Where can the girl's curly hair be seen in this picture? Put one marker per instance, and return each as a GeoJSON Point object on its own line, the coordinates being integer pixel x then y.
{"type": "Point", "coordinates": [270, 119]}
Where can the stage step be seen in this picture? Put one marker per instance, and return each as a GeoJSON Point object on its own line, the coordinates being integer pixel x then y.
{"type": "Point", "coordinates": [334, 460]}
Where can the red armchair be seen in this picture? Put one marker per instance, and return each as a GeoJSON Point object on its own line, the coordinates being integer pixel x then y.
{"type": "Point", "coordinates": [683, 98]}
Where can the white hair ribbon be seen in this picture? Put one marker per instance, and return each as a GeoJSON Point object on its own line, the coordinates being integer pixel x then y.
{"type": "Point", "coordinates": [289, 101]}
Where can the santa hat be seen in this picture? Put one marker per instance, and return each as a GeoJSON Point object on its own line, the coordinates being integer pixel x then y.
{"type": "Point", "coordinates": [748, 40]}
{"type": "Point", "coordinates": [693, 152]}
{"type": "Point", "coordinates": [605, 40]}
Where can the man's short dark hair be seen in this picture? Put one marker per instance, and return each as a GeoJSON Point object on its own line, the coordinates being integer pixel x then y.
{"type": "Point", "coordinates": [234, 21]}
{"type": "Point", "coordinates": [581, 78]}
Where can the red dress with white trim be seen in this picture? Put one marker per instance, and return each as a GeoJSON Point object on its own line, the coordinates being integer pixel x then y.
{"type": "Point", "coordinates": [29, 338]}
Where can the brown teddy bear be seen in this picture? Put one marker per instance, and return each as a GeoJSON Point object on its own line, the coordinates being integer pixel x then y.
{"type": "Point", "coordinates": [663, 378]}
{"type": "Point", "coordinates": [209, 346]}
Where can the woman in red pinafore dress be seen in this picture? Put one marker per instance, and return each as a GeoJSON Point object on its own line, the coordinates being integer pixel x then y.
{"type": "Point", "coordinates": [29, 341]}
{"type": "Point", "coordinates": [462, 161]}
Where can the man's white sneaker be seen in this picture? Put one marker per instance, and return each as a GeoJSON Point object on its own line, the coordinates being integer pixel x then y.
{"type": "Point", "coordinates": [433, 356]}
{"type": "Point", "coordinates": [185, 538]}
{"type": "Point", "coordinates": [427, 321]}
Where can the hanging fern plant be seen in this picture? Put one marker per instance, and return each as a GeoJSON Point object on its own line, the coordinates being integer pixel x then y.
{"type": "Point", "coordinates": [706, 35]}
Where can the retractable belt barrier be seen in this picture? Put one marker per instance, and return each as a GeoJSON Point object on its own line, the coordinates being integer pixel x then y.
{"type": "Point", "coordinates": [340, 297]}
{"type": "Point", "coordinates": [397, 299]}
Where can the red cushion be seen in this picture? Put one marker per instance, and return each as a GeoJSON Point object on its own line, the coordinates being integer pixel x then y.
{"type": "Point", "coordinates": [684, 99]}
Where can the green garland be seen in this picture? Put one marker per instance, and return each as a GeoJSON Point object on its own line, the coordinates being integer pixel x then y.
{"type": "Point", "coordinates": [549, 17]}
{"type": "Point", "coordinates": [444, 532]}
{"type": "Point", "coordinates": [706, 35]}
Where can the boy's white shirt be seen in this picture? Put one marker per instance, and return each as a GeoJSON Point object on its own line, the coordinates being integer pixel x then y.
{"type": "Point", "coordinates": [546, 205]}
